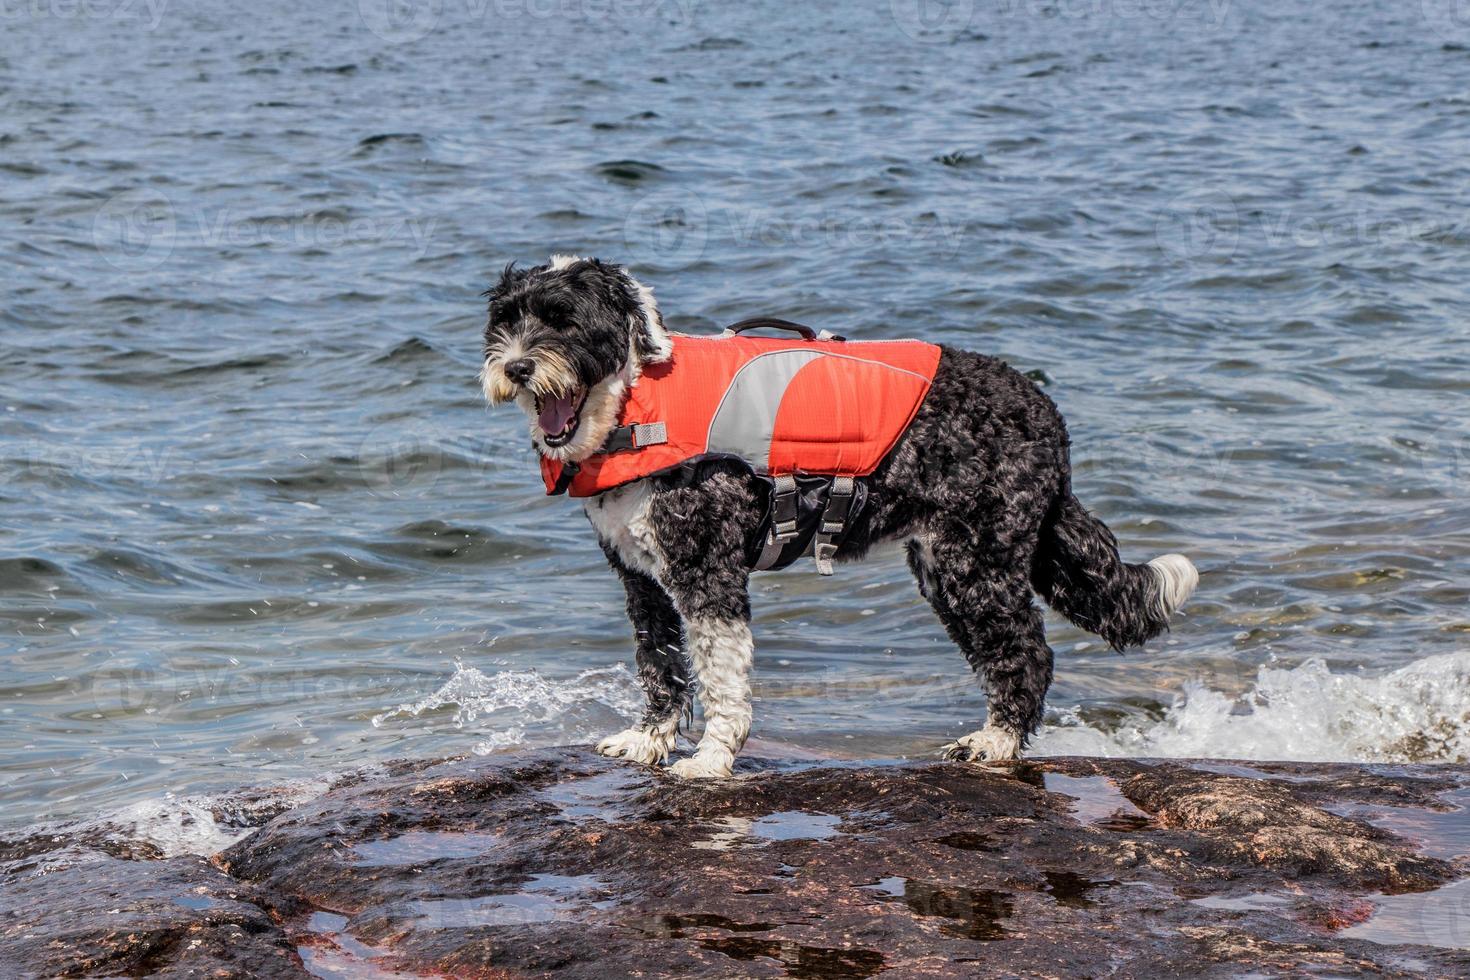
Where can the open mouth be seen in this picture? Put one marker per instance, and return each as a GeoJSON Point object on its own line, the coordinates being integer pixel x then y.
{"type": "Point", "coordinates": [560, 415]}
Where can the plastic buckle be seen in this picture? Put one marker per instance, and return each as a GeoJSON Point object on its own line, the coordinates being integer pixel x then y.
{"type": "Point", "coordinates": [824, 552]}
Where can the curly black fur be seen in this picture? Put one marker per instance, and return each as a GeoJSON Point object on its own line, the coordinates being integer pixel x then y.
{"type": "Point", "coordinates": [664, 670]}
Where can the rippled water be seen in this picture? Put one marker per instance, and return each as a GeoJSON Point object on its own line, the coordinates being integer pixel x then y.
{"type": "Point", "coordinates": [257, 524]}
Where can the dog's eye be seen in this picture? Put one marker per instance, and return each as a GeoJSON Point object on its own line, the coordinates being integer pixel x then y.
{"type": "Point", "coordinates": [555, 314]}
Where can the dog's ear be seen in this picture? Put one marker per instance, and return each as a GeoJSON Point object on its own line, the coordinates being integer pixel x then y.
{"type": "Point", "coordinates": [646, 324]}
{"type": "Point", "coordinates": [650, 338]}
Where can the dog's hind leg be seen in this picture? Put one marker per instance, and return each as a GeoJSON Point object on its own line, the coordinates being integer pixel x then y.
{"type": "Point", "coordinates": [981, 593]}
{"type": "Point", "coordinates": [663, 669]}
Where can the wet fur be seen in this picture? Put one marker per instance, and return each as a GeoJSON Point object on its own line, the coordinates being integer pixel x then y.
{"type": "Point", "coordinates": [979, 488]}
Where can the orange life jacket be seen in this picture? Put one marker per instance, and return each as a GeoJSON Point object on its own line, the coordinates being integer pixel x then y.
{"type": "Point", "coordinates": [786, 407]}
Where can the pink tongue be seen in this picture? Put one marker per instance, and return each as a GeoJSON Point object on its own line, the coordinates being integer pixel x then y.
{"type": "Point", "coordinates": [555, 414]}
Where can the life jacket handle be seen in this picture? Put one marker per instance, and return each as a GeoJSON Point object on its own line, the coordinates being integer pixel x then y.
{"type": "Point", "coordinates": [775, 323]}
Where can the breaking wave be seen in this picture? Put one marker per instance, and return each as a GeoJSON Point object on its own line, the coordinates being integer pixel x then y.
{"type": "Point", "coordinates": [1307, 713]}
{"type": "Point", "coordinates": [167, 826]}
{"type": "Point", "coordinates": [524, 699]}
{"type": "Point", "coordinates": [204, 824]}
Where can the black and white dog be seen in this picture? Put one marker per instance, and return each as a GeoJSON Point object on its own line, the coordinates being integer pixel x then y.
{"type": "Point", "coordinates": [979, 489]}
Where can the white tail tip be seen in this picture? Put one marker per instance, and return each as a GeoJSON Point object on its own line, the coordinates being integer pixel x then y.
{"type": "Point", "coordinates": [1177, 581]}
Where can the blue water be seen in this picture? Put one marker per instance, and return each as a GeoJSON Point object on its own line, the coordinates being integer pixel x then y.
{"type": "Point", "coordinates": [251, 502]}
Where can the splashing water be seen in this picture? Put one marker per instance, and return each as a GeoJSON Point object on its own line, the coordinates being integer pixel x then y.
{"type": "Point", "coordinates": [179, 825]}
{"type": "Point", "coordinates": [523, 698]}
{"type": "Point", "coordinates": [1418, 713]}
{"type": "Point", "coordinates": [202, 824]}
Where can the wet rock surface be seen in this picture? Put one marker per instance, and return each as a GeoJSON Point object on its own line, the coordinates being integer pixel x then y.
{"type": "Point", "coordinates": [84, 914]}
{"type": "Point", "coordinates": [562, 861]}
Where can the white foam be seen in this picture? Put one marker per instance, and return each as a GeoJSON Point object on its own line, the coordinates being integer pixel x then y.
{"type": "Point", "coordinates": [188, 825]}
{"type": "Point", "coordinates": [178, 825]}
{"type": "Point", "coordinates": [1417, 713]}
{"type": "Point", "coordinates": [528, 699]}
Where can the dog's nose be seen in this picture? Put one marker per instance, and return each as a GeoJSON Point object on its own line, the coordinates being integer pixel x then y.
{"type": "Point", "coordinates": [520, 371]}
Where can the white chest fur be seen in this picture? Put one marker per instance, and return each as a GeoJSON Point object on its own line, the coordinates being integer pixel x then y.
{"type": "Point", "coordinates": [621, 519]}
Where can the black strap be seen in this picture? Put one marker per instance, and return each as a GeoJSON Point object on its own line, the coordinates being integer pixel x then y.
{"type": "Point", "coordinates": [785, 516]}
{"type": "Point", "coordinates": [569, 472]}
{"type": "Point", "coordinates": [806, 515]}
{"type": "Point", "coordinates": [636, 435]}
{"type": "Point", "coordinates": [783, 508]}
{"type": "Point", "coordinates": [775, 323]}
{"type": "Point", "coordinates": [839, 506]}
{"type": "Point", "coordinates": [840, 495]}
{"type": "Point", "coordinates": [619, 440]}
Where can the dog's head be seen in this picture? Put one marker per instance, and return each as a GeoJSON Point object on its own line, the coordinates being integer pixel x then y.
{"type": "Point", "coordinates": [564, 342]}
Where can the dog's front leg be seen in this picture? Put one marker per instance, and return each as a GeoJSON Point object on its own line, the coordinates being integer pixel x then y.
{"type": "Point", "coordinates": [690, 539]}
{"type": "Point", "coordinates": [663, 668]}
{"type": "Point", "coordinates": [701, 534]}
{"type": "Point", "coordinates": [722, 650]}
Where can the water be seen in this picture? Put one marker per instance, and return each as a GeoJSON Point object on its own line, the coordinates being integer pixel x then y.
{"type": "Point", "coordinates": [256, 525]}
{"type": "Point", "coordinates": [1434, 919]}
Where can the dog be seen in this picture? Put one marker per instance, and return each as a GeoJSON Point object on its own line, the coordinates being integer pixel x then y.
{"type": "Point", "coordinates": [977, 487]}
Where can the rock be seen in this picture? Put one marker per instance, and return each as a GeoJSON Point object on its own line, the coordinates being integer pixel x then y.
{"type": "Point", "coordinates": [85, 914]}
{"type": "Point", "coordinates": [1263, 823]}
{"type": "Point", "coordinates": [563, 861]}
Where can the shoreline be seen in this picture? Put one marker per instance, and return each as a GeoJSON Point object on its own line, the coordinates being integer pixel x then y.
{"type": "Point", "coordinates": [560, 861]}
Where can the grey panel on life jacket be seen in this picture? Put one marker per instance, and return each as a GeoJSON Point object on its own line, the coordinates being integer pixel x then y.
{"type": "Point", "coordinates": [745, 421]}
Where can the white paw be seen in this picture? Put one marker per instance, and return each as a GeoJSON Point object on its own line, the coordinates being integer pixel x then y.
{"type": "Point", "coordinates": [987, 745]}
{"type": "Point", "coordinates": [705, 764]}
{"type": "Point", "coordinates": [644, 745]}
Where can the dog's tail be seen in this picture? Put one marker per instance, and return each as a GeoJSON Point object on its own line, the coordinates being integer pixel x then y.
{"type": "Point", "coordinates": [1079, 573]}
